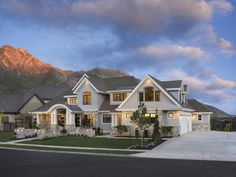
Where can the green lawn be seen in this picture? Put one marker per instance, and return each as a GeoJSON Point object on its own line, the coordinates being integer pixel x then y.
{"type": "Point", "coordinates": [88, 142]}
{"type": "Point", "coordinates": [6, 136]}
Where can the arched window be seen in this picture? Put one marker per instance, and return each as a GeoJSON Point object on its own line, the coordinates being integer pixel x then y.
{"type": "Point", "coordinates": [149, 94]}
{"type": "Point", "coordinates": [87, 98]}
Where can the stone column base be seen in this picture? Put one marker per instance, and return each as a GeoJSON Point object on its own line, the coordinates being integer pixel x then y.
{"type": "Point", "coordinates": [70, 127]}
{"type": "Point", "coordinates": [54, 126]}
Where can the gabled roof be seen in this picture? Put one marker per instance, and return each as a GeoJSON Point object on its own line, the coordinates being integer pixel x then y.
{"type": "Point", "coordinates": [172, 84]}
{"type": "Point", "coordinates": [110, 84]}
{"type": "Point", "coordinates": [12, 104]}
{"type": "Point", "coordinates": [164, 88]}
{"type": "Point", "coordinates": [56, 101]}
{"type": "Point", "coordinates": [197, 106]}
{"type": "Point", "coordinates": [160, 85]}
{"type": "Point", "coordinates": [106, 106]}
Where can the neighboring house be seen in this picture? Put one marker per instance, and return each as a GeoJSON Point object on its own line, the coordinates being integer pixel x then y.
{"type": "Point", "coordinates": [14, 105]}
{"type": "Point", "coordinates": [47, 93]}
{"type": "Point", "coordinates": [105, 103]}
{"type": "Point", "coordinates": [201, 116]}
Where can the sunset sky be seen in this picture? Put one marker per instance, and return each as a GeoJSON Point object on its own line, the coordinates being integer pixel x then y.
{"type": "Point", "coordinates": [192, 40]}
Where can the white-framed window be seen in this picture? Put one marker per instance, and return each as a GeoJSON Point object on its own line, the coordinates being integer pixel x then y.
{"type": "Point", "coordinates": [199, 117]}
{"type": "Point", "coordinates": [171, 115]}
{"type": "Point", "coordinates": [87, 98]}
{"type": "Point", "coordinates": [72, 101]}
{"type": "Point", "coordinates": [128, 115]}
{"type": "Point", "coordinates": [106, 119]}
{"type": "Point", "coordinates": [119, 96]}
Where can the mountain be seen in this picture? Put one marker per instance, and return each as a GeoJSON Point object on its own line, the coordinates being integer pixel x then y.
{"type": "Point", "coordinates": [217, 113]}
{"type": "Point", "coordinates": [21, 71]}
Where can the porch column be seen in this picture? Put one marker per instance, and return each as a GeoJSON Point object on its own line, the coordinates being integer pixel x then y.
{"type": "Point", "coordinates": [54, 119]}
{"type": "Point", "coordinates": [70, 120]}
{"type": "Point", "coordinates": [113, 120]}
{"type": "Point", "coordinates": [38, 119]}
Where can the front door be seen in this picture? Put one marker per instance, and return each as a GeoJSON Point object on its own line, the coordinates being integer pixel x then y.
{"type": "Point", "coordinates": [77, 120]}
{"type": "Point", "coordinates": [61, 120]}
{"type": "Point", "coordinates": [119, 119]}
{"type": "Point", "coordinates": [87, 120]}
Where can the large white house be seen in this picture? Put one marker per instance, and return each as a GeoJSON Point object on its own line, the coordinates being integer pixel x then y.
{"type": "Point", "coordinates": [105, 103]}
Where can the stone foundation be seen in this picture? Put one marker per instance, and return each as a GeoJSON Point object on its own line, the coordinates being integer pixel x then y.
{"type": "Point", "coordinates": [70, 127]}
{"type": "Point", "coordinates": [200, 127]}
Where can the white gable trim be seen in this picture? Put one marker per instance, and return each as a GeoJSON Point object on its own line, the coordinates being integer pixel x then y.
{"type": "Point", "coordinates": [82, 82]}
{"type": "Point", "coordinates": [159, 87]}
{"type": "Point", "coordinates": [173, 89]}
{"type": "Point", "coordinates": [85, 75]}
{"type": "Point", "coordinates": [56, 106]}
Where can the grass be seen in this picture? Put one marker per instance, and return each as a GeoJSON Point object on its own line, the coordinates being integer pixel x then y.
{"type": "Point", "coordinates": [6, 136]}
{"type": "Point", "coordinates": [71, 150]}
{"type": "Point", "coordinates": [88, 142]}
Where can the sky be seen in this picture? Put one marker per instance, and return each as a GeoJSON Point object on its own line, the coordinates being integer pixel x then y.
{"type": "Point", "coordinates": [191, 40]}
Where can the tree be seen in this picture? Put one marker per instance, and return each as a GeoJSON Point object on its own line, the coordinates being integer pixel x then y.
{"type": "Point", "coordinates": [141, 120]}
{"type": "Point", "coordinates": [1, 116]}
{"type": "Point", "coordinates": [156, 136]}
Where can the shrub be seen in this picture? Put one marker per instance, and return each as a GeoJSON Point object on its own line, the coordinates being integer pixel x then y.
{"type": "Point", "coordinates": [121, 129]}
{"type": "Point", "coordinates": [98, 131]}
{"type": "Point", "coordinates": [166, 130]}
{"type": "Point", "coordinates": [227, 127]}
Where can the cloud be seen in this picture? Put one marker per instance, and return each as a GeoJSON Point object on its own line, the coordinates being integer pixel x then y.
{"type": "Point", "coordinates": [171, 52]}
{"type": "Point", "coordinates": [147, 17]}
{"type": "Point", "coordinates": [208, 39]}
{"type": "Point", "coordinates": [213, 88]}
{"type": "Point", "coordinates": [221, 6]}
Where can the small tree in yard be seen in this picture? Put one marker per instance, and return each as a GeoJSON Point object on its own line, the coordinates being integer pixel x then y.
{"type": "Point", "coordinates": [156, 136]}
{"type": "Point", "coordinates": [141, 120]}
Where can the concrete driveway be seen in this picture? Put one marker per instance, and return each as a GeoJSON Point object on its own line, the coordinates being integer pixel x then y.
{"type": "Point", "coordinates": [220, 146]}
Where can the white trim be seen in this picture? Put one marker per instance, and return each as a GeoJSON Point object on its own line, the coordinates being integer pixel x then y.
{"type": "Point", "coordinates": [58, 105]}
{"type": "Point", "coordinates": [118, 91]}
{"type": "Point", "coordinates": [202, 112]}
{"type": "Point", "coordinates": [158, 86]}
{"type": "Point", "coordinates": [82, 82]}
{"type": "Point", "coordinates": [85, 75]}
{"type": "Point", "coordinates": [173, 89]}
{"type": "Point", "coordinates": [70, 96]}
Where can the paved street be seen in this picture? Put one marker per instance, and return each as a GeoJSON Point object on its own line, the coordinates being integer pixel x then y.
{"type": "Point", "coordinates": [197, 145]}
{"type": "Point", "coordinates": [16, 163]}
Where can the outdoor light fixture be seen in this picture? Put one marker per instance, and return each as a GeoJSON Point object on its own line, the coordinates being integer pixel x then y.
{"type": "Point", "coordinates": [171, 115]}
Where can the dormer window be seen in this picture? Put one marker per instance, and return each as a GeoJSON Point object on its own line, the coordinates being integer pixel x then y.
{"type": "Point", "coordinates": [141, 97]}
{"type": "Point", "coordinates": [86, 98]}
{"type": "Point", "coordinates": [149, 94]}
{"type": "Point", "coordinates": [72, 101]}
{"type": "Point", "coordinates": [157, 95]}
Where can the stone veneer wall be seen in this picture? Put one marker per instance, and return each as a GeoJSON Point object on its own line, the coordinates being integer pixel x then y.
{"type": "Point", "coordinates": [200, 127]}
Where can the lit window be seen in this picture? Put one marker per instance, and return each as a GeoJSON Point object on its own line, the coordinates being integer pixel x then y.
{"type": "Point", "coordinates": [72, 101]}
{"type": "Point", "coordinates": [171, 115]}
{"type": "Point", "coordinates": [199, 117]}
{"type": "Point", "coordinates": [157, 95]}
{"type": "Point", "coordinates": [87, 98]}
{"type": "Point", "coordinates": [140, 96]}
{"type": "Point", "coordinates": [149, 94]}
{"type": "Point", "coordinates": [106, 118]}
{"type": "Point", "coordinates": [119, 96]}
